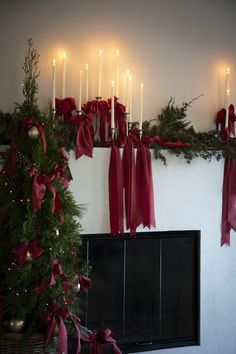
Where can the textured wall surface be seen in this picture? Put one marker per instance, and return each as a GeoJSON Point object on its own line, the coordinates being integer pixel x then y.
{"type": "Point", "coordinates": [175, 47]}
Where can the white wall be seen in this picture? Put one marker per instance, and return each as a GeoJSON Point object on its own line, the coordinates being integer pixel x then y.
{"type": "Point", "coordinates": [176, 47]}
{"type": "Point", "coordinates": [187, 197]}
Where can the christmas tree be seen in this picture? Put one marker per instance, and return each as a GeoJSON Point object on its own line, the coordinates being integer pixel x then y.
{"type": "Point", "coordinates": [41, 269]}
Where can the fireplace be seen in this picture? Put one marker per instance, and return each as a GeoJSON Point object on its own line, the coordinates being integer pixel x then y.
{"type": "Point", "coordinates": [145, 289]}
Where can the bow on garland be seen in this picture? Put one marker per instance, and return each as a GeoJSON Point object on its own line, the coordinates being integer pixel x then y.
{"type": "Point", "coordinates": [20, 251]}
{"type": "Point", "coordinates": [40, 183]}
{"type": "Point", "coordinates": [56, 273]}
{"type": "Point", "coordinates": [57, 316]}
{"type": "Point", "coordinates": [221, 122]}
{"type": "Point", "coordinates": [65, 106]}
{"type": "Point", "coordinates": [98, 338]}
{"type": "Point", "coordinates": [99, 109]}
{"type": "Point", "coordinates": [85, 134]}
{"type": "Point", "coordinates": [29, 122]}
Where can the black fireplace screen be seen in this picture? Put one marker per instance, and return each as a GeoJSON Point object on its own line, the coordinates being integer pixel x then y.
{"type": "Point", "coordinates": [145, 289]}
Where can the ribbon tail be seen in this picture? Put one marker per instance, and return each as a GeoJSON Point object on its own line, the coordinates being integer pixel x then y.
{"type": "Point", "coordinates": [84, 141]}
{"type": "Point", "coordinates": [42, 133]}
{"type": "Point", "coordinates": [116, 192]}
{"type": "Point", "coordinates": [49, 331]}
{"type": "Point", "coordinates": [62, 337]}
{"type": "Point", "coordinates": [116, 349]}
{"type": "Point", "coordinates": [225, 226]}
{"type": "Point", "coordinates": [38, 191]}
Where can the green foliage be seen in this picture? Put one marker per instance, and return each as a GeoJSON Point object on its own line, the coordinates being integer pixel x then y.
{"type": "Point", "coordinates": [60, 239]}
{"type": "Point", "coordinates": [171, 124]}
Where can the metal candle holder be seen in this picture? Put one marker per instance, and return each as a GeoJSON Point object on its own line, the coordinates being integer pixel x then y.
{"type": "Point", "coordinates": [113, 133]}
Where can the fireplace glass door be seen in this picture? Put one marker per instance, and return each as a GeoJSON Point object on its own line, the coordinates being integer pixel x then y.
{"type": "Point", "coordinates": [145, 289]}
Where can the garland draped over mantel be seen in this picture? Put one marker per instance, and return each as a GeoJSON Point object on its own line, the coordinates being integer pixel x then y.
{"type": "Point", "coordinates": [170, 131]}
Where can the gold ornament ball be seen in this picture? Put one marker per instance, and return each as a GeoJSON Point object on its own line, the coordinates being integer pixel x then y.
{"type": "Point", "coordinates": [56, 330]}
{"type": "Point", "coordinates": [33, 133]}
{"type": "Point", "coordinates": [16, 325]}
{"type": "Point", "coordinates": [76, 288]}
{"type": "Point", "coordinates": [28, 257]}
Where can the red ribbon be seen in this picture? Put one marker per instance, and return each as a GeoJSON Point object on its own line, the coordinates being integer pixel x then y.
{"type": "Point", "coordinates": [56, 273]}
{"type": "Point", "coordinates": [85, 134]}
{"type": "Point", "coordinates": [116, 191]}
{"type": "Point", "coordinates": [57, 316]}
{"type": "Point", "coordinates": [229, 201]}
{"type": "Point", "coordinates": [98, 338]}
{"type": "Point", "coordinates": [40, 183]}
{"type": "Point", "coordinates": [172, 144]}
{"type": "Point", "coordinates": [20, 251]}
{"type": "Point", "coordinates": [129, 180]}
{"type": "Point", "coordinates": [65, 106]}
{"type": "Point", "coordinates": [29, 122]}
{"type": "Point", "coordinates": [11, 158]}
{"type": "Point", "coordinates": [85, 282]}
{"type": "Point", "coordinates": [221, 120]}
{"type": "Point", "coordinates": [144, 185]}
{"type": "Point", "coordinates": [101, 109]}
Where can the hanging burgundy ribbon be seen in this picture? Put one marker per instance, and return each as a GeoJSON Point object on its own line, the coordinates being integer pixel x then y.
{"type": "Point", "coordinates": [85, 134]}
{"type": "Point", "coordinates": [65, 106]}
{"type": "Point", "coordinates": [116, 191]}
{"type": "Point", "coordinates": [172, 144]}
{"type": "Point", "coordinates": [144, 185]}
{"type": "Point", "coordinates": [40, 183]}
{"type": "Point", "coordinates": [57, 316]}
{"type": "Point", "coordinates": [98, 338]}
{"type": "Point", "coordinates": [129, 180]}
{"type": "Point", "coordinates": [29, 122]}
{"type": "Point", "coordinates": [56, 273]}
{"type": "Point", "coordinates": [228, 201]}
{"type": "Point", "coordinates": [20, 251]}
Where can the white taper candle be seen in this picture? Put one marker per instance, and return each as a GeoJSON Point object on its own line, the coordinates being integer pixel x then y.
{"type": "Point", "coordinates": [54, 84]}
{"type": "Point", "coordinates": [80, 89]}
{"type": "Point", "coordinates": [63, 75]}
{"type": "Point", "coordinates": [87, 83]}
{"type": "Point", "coordinates": [227, 100]}
{"type": "Point", "coordinates": [141, 107]}
{"type": "Point", "coordinates": [100, 74]}
{"type": "Point", "coordinates": [112, 106]}
{"type": "Point", "coordinates": [117, 72]}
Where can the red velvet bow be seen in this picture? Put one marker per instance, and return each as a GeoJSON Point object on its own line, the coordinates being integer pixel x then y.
{"type": "Point", "coordinates": [97, 338]}
{"type": "Point", "coordinates": [100, 109]}
{"type": "Point", "coordinates": [56, 273]}
{"type": "Point", "coordinates": [65, 106]}
{"type": "Point", "coordinates": [116, 191]}
{"type": "Point", "coordinates": [20, 251]}
{"type": "Point", "coordinates": [144, 184]}
{"type": "Point", "coordinates": [172, 144]}
{"type": "Point", "coordinates": [85, 134]}
{"type": "Point", "coordinates": [221, 120]}
{"type": "Point", "coordinates": [85, 282]}
{"type": "Point", "coordinates": [40, 183]}
{"type": "Point", "coordinates": [57, 316]}
{"type": "Point", "coordinates": [29, 122]}
{"type": "Point", "coordinates": [59, 172]}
